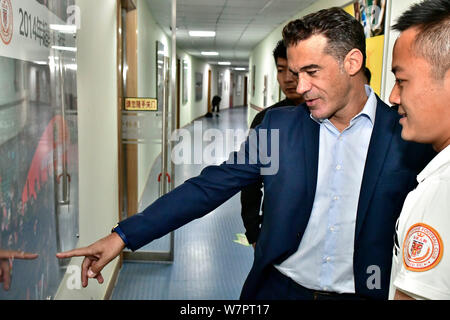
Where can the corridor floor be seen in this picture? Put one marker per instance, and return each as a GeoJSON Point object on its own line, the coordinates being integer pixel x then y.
{"type": "Point", "coordinates": [208, 263]}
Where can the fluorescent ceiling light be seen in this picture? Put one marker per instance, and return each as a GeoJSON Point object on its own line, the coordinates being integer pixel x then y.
{"type": "Point", "coordinates": [64, 28]}
{"type": "Point", "coordinates": [240, 69]}
{"type": "Point", "coordinates": [208, 34]}
{"type": "Point", "coordinates": [209, 53]}
{"type": "Point", "coordinates": [224, 63]}
{"type": "Point", "coordinates": [64, 48]}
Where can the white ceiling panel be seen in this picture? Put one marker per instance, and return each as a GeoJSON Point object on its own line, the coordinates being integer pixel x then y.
{"type": "Point", "coordinates": [239, 24]}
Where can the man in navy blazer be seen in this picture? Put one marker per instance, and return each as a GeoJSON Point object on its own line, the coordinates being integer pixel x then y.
{"type": "Point", "coordinates": [338, 188]}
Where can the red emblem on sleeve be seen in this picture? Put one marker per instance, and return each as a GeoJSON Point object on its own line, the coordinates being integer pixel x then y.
{"type": "Point", "coordinates": [422, 248]}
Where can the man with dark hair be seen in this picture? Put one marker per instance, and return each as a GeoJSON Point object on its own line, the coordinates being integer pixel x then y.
{"type": "Point", "coordinates": [343, 174]}
{"type": "Point", "coordinates": [348, 132]}
{"type": "Point", "coordinates": [251, 195]}
{"type": "Point", "coordinates": [368, 75]}
{"type": "Point", "coordinates": [421, 63]}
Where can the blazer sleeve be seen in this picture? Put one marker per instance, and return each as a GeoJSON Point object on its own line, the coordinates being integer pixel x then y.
{"type": "Point", "coordinates": [196, 197]}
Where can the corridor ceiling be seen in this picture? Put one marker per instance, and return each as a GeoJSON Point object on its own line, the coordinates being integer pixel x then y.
{"type": "Point", "coordinates": [239, 24]}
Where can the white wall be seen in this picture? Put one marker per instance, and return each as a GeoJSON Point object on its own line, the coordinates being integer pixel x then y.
{"type": "Point", "coordinates": [194, 109]}
{"type": "Point", "coordinates": [97, 135]}
{"type": "Point", "coordinates": [226, 86]}
{"type": "Point", "coordinates": [148, 33]}
{"type": "Point", "coordinates": [186, 112]}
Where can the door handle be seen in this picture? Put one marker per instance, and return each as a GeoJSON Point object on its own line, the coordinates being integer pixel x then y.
{"type": "Point", "coordinates": [65, 188]}
{"type": "Point", "coordinates": [66, 182]}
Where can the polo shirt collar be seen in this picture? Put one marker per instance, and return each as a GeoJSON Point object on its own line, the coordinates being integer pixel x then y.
{"type": "Point", "coordinates": [441, 159]}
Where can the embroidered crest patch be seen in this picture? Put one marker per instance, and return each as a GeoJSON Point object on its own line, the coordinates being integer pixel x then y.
{"type": "Point", "coordinates": [422, 248]}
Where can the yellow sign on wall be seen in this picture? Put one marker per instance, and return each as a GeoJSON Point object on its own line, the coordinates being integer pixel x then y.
{"type": "Point", "coordinates": [374, 51]}
{"type": "Point", "coordinates": [371, 14]}
{"type": "Point", "coordinates": [141, 104]}
{"type": "Point", "coordinates": [350, 9]}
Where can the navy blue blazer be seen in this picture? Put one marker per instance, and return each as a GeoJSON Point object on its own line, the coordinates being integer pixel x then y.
{"type": "Point", "coordinates": [390, 173]}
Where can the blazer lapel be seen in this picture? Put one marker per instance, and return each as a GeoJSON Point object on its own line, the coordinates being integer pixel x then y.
{"type": "Point", "coordinates": [379, 145]}
{"type": "Point", "coordinates": [311, 132]}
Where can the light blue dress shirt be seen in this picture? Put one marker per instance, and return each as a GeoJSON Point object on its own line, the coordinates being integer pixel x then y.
{"type": "Point", "coordinates": [324, 259]}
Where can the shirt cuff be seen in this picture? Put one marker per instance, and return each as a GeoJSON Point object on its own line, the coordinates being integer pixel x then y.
{"type": "Point", "coordinates": [119, 231]}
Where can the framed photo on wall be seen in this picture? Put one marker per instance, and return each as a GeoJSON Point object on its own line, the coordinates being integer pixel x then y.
{"type": "Point", "coordinates": [185, 82]}
{"type": "Point", "coordinates": [198, 86]}
{"type": "Point", "coordinates": [253, 80]}
{"type": "Point", "coordinates": [220, 84]}
{"type": "Point", "coordinates": [371, 14]}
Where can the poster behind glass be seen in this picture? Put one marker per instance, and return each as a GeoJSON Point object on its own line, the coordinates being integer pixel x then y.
{"type": "Point", "coordinates": [253, 80]}
{"type": "Point", "coordinates": [38, 146]}
{"type": "Point", "coordinates": [371, 14]}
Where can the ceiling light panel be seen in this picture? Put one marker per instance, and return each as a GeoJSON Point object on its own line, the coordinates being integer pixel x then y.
{"type": "Point", "coordinates": [204, 34]}
{"type": "Point", "coordinates": [209, 53]}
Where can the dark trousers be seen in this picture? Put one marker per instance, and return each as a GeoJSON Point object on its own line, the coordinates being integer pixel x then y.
{"type": "Point", "coordinates": [279, 287]}
{"type": "Point", "coordinates": [214, 107]}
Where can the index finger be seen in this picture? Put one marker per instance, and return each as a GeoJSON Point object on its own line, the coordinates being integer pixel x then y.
{"type": "Point", "coordinates": [80, 252]}
{"type": "Point", "coordinates": [26, 256]}
{"type": "Point", "coordinates": [18, 255]}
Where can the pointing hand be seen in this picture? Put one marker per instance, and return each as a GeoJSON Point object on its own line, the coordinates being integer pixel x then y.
{"type": "Point", "coordinates": [96, 256]}
{"type": "Point", "coordinates": [6, 264]}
